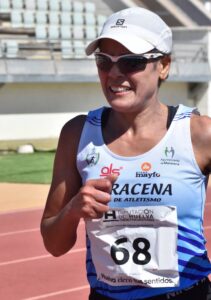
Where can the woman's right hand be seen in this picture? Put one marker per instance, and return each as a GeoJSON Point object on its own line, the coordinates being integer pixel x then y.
{"type": "Point", "coordinates": [92, 200]}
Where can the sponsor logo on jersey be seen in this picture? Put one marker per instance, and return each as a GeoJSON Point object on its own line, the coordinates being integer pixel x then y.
{"type": "Point", "coordinates": [169, 152]}
{"type": "Point", "coordinates": [169, 157]}
{"type": "Point", "coordinates": [92, 158]}
{"type": "Point", "coordinates": [109, 170]}
{"type": "Point", "coordinates": [146, 167]}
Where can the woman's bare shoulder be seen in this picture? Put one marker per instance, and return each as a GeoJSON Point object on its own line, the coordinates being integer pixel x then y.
{"type": "Point", "coordinates": [201, 128]}
{"type": "Point", "coordinates": [71, 131]}
{"type": "Point", "coordinates": [74, 125]}
{"type": "Point", "coordinates": [201, 140]}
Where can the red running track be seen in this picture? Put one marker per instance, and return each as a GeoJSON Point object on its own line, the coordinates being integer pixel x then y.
{"type": "Point", "coordinates": [28, 272]}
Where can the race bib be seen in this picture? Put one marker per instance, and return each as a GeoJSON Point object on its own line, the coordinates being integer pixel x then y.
{"type": "Point", "coordinates": [136, 246]}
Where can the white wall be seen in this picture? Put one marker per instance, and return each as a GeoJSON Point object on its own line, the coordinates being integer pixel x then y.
{"type": "Point", "coordinates": [32, 126]}
{"type": "Point", "coordinates": [22, 98]}
{"type": "Point", "coordinates": [39, 110]}
{"type": "Point", "coordinates": [31, 111]}
{"type": "Point", "coordinates": [173, 93]}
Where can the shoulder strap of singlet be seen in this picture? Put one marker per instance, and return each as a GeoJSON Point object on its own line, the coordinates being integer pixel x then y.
{"type": "Point", "coordinates": [172, 110]}
{"type": "Point", "coordinates": [171, 113]}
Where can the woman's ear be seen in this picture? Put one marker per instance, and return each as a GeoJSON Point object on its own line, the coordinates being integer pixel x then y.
{"type": "Point", "coordinates": [164, 67]}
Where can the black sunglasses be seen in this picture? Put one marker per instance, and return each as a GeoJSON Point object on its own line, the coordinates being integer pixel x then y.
{"type": "Point", "coordinates": [127, 63]}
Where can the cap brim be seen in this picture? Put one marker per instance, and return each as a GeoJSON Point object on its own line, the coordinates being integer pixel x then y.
{"type": "Point", "coordinates": [133, 43]}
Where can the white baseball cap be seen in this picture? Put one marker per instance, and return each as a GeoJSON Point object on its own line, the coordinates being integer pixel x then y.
{"type": "Point", "coordinates": [138, 29]}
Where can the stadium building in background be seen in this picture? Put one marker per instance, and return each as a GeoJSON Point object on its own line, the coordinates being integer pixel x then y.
{"type": "Point", "coordinates": [46, 79]}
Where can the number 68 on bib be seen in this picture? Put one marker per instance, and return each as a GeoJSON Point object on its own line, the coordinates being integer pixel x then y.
{"type": "Point", "coordinates": [136, 246]}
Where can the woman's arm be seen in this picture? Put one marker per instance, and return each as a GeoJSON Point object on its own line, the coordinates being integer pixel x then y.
{"type": "Point", "coordinates": [68, 201]}
{"type": "Point", "coordinates": [201, 140]}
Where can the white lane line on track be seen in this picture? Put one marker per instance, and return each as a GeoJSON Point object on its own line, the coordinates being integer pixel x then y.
{"type": "Point", "coordinates": [24, 210]}
{"type": "Point", "coordinates": [83, 287]}
{"type": "Point", "coordinates": [19, 231]}
{"type": "Point", "coordinates": [26, 230]}
{"type": "Point", "coordinates": [22, 260]}
{"type": "Point", "coordinates": [38, 229]}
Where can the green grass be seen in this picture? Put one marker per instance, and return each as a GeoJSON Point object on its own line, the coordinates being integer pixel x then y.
{"type": "Point", "coordinates": [27, 168]}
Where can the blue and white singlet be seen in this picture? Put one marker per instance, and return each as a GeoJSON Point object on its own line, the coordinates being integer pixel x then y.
{"type": "Point", "coordinates": [151, 241]}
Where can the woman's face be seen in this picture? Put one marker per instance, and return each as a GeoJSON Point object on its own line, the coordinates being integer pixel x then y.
{"type": "Point", "coordinates": [128, 92]}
